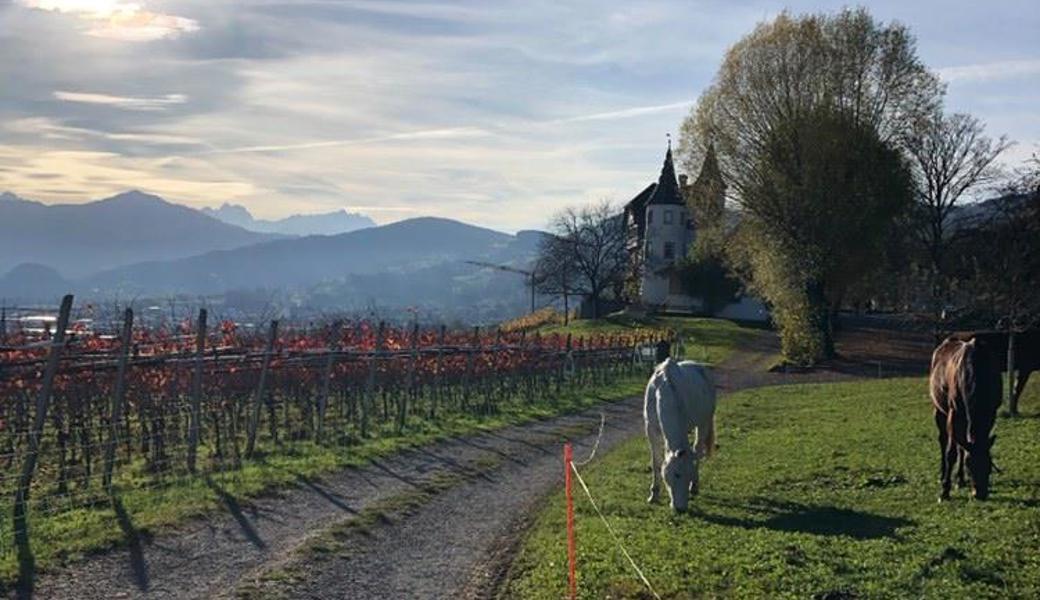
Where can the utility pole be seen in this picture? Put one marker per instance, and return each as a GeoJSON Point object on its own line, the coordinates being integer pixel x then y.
{"type": "Point", "coordinates": [528, 274]}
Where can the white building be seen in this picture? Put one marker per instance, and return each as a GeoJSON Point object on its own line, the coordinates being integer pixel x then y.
{"type": "Point", "coordinates": [661, 230]}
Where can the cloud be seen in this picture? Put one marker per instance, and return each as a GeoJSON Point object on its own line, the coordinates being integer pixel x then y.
{"type": "Point", "coordinates": [627, 113]}
{"type": "Point", "coordinates": [123, 102]}
{"type": "Point", "coordinates": [451, 132]}
{"type": "Point", "coordinates": [1008, 69]}
{"type": "Point", "coordinates": [460, 132]}
{"type": "Point", "coordinates": [119, 20]}
{"type": "Point", "coordinates": [498, 114]}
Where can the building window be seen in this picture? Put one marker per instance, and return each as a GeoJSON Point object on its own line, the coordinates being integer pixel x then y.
{"type": "Point", "coordinates": [649, 249]}
{"type": "Point", "coordinates": [667, 217]}
{"type": "Point", "coordinates": [649, 216]}
{"type": "Point", "coordinates": [669, 249]}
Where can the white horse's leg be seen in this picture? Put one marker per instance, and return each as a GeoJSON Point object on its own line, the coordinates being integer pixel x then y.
{"type": "Point", "coordinates": [653, 433]}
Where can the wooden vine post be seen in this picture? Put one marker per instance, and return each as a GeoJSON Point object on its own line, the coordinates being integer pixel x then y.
{"type": "Point", "coordinates": [21, 495]}
{"type": "Point", "coordinates": [115, 415]}
{"type": "Point", "coordinates": [326, 376]}
{"type": "Point", "coordinates": [369, 399]}
{"type": "Point", "coordinates": [402, 405]}
{"type": "Point", "coordinates": [439, 380]}
{"type": "Point", "coordinates": [258, 400]}
{"type": "Point", "coordinates": [196, 391]}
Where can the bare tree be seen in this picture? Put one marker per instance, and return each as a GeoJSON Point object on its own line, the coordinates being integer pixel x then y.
{"type": "Point", "coordinates": [949, 156]}
{"type": "Point", "coordinates": [585, 252]}
{"type": "Point", "coordinates": [554, 274]}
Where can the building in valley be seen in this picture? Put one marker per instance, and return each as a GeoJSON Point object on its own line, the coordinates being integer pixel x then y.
{"type": "Point", "coordinates": [661, 224]}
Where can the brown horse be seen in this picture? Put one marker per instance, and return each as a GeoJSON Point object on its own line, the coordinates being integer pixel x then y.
{"type": "Point", "coordinates": [966, 389]}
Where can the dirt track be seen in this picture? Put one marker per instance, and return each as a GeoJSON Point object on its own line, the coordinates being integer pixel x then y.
{"type": "Point", "coordinates": [457, 543]}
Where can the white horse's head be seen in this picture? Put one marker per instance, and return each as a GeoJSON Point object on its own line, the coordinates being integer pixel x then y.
{"type": "Point", "coordinates": [679, 471]}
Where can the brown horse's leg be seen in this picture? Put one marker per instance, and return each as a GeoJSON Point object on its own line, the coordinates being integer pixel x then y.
{"type": "Point", "coordinates": [961, 482]}
{"type": "Point", "coordinates": [940, 422]}
{"type": "Point", "coordinates": [949, 454]}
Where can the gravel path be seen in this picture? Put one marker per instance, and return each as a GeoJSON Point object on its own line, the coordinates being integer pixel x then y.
{"type": "Point", "coordinates": [208, 557]}
{"type": "Point", "coordinates": [457, 544]}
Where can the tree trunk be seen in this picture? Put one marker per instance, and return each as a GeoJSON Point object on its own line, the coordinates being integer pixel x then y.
{"type": "Point", "coordinates": [820, 321]}
{"type": "Point", "coordinates": [1012, 396]}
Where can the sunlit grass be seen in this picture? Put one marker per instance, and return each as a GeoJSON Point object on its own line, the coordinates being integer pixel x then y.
{"type": "Point", "coordinates": [704, 339]}
{"type": "Point", "coordinates": [818, 491]}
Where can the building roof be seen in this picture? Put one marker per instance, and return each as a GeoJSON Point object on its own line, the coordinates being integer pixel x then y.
{"type": "Point", "coordinates": [639, 201]}
{"type": "Point", "coordinates": [667, 189]}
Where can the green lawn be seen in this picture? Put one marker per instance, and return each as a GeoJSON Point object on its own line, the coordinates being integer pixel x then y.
{"type": "Point", "coordinates": [818, 491]}
{"type": "Point", "coordinates": [709, 340]}
{"type": "Point", "coordinates": [62, 533]}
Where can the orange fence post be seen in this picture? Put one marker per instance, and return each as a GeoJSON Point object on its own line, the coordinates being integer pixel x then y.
{"type": "Point", "coordinates": [572, 558]}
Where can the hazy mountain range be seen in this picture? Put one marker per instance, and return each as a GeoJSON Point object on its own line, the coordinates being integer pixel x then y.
{"type": "Point", "coordinates": [136, 245]}
{"type": "Point", "coordinates": [330, 223]}
{"type": "Point", "coordinates": [80, 239]}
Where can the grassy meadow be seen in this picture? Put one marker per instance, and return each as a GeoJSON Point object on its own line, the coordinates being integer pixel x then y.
{"type": "Point", "coordinates": [709, 340]}
{"type": "Point", "coordinates": [821, 491]}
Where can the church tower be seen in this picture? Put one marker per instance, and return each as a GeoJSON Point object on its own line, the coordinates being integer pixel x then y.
{"type": "Point", "coordinates": [667, 239]}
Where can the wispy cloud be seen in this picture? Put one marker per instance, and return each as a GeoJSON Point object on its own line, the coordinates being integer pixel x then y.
{"type": "Point", "coordinates": [458, 132]}
{"type": "Point", "coordinates": [626, 113]}
{"type": "Point", "coordinates": [428, 134]}
{"type": "Point", "coordinates": [119, 20]}
{"type": "Point", "coordinates": [124, 102]}
{"type": "Point", "coordinates": [50, 129]}
{"type": "Point", "coordinates": [1008, 69]}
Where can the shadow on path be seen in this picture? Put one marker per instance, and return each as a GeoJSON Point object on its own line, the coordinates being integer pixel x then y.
{"type": "Point", "coordinates": [231, 503]}
{"type": "Point", "coordinates": [333, 498]}
{"type": "Point", "coordinates": [138, 564]}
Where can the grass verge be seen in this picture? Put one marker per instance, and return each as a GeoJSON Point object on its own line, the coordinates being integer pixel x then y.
{"type": "Point", "coordinates": [818, 491]}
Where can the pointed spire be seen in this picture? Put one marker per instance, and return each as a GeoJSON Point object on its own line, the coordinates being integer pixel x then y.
{"type": "Point", "coordinates": [667, 190]}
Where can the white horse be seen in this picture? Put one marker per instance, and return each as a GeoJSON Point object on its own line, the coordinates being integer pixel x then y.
{"type": "Point", "coordinates": [679, 397]}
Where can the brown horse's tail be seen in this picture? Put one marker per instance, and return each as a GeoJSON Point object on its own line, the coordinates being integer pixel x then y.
{"type": "Point", "coordinates": [964, 383]}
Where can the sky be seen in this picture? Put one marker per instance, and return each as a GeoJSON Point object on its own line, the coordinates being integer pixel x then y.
{"type": "Point", "coordinates": [495, 113]}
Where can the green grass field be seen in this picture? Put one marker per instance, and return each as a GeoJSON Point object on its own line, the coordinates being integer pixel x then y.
{"type": "Point", "coordinates": [63, 533]}
{"type": "Point", "coordinates": [818, 491]}
{"type": "Point", "coordinates": [709, 340]}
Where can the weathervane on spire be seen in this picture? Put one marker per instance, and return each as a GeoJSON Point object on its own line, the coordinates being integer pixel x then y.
{"type": "Point", "coordinates": [669, 136]}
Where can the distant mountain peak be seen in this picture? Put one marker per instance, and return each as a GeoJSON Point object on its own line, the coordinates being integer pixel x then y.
{"type": "Point", "coordinates": [10, 197]}
{"type": "Point", "coordinates": [136, 197]}
{"type": "Point", "coordinates": [328, 223]}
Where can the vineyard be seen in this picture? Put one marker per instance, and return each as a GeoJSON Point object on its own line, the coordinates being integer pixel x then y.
{"type": "Point", "coordinates": [88, 417]}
